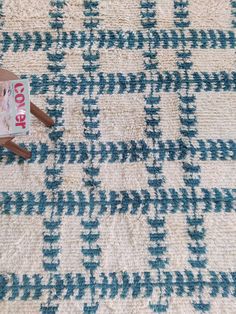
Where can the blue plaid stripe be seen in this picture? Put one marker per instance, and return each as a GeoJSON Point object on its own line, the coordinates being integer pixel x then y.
{"type": "Point", "coordinates": [191, 169]}
{"type": "Point", "coordinates": [89, 203]}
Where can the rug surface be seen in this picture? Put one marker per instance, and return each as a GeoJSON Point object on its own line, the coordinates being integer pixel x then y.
{"type": "Point", "coordinates": [127, 205]}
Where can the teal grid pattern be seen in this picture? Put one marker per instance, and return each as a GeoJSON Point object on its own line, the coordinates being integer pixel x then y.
{"type": "Point", "coordinates": [89, 203]}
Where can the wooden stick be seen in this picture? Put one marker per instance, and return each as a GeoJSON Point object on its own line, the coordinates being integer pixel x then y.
{"type": "Point", "coordinates": [17, 149]}
{"type": "Point", "coordinates": [42, 116]}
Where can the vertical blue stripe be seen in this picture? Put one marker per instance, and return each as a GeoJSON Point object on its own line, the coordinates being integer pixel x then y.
{"type": "Point", "coordinates": [157, 248]}
{"type": "Point", "coordinates": [188, 132]}
{"type": "Point", "coordinates": [233, 12]}
{"type": "Point", "coordinates": [90, 107]}
{"type": "Point", "coordinates": [54, 172]}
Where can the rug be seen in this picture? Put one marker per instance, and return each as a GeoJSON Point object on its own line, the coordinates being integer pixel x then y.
{"type": "Point", "coordinates": [127, 205]}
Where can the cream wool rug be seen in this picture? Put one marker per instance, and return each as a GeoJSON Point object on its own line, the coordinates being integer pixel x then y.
{"type": "Point", "coordinates": [127, 205]}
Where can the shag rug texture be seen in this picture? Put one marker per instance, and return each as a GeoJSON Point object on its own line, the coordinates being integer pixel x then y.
{"type": "Point", "coordinates": [127, 205]}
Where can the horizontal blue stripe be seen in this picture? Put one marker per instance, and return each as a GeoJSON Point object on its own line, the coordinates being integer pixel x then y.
{"type": "Point", "coordinates": [73, 286]}
{"type": "Point", "coordinates": [119, 83]}
{"type": "Point", "coordinates": [135, 202]}
{"type": "Point", "coordinates": [121, 152]}
{"type": "Point", "coordinates": [172, 38]}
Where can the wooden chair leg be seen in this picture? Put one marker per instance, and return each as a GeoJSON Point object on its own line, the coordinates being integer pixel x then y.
{"type": "Point", "coordinates": [17, 149]}
{"type": "Point", "coordinates": [42, 116]}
